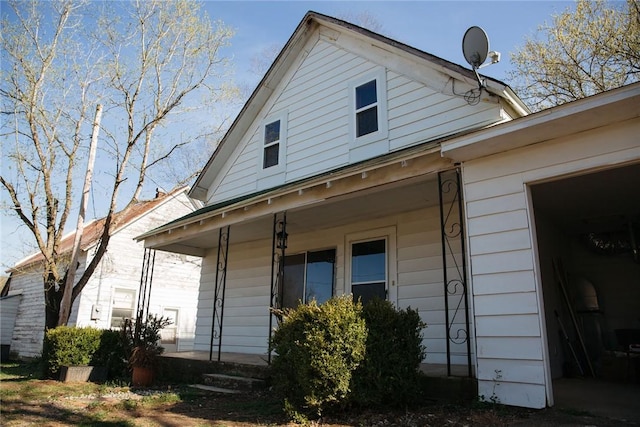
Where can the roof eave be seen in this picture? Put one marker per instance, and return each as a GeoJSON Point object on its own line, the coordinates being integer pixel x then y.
{"type": "Point", "coordinates": [285, 58]}
{"type": "Point", "coordinates": [606, 108]}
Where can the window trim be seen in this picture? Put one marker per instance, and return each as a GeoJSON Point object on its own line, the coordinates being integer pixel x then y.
{"type": "Point", "coordinates": [282, 148]}
{"type": "Point", "coordinates": [387, 233]}
{"type": "Point", "coordinates": [379, 75]}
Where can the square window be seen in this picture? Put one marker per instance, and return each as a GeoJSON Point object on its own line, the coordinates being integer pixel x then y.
{"type": "Point", "coordinates": [367, 121]}
{"type": "Point", "coordinates": [271, 154]}
{"type": "Point", "coordinates": [366, 94]}
{"type": "Point", "coordinates": [272, 132]}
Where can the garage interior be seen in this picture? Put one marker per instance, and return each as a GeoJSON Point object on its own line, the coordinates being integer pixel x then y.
{"type": "Point", "coordinates": [588, 235]}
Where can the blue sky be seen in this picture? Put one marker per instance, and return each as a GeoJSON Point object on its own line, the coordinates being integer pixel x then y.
{"type": "Point", "coordinates": [436, 27]}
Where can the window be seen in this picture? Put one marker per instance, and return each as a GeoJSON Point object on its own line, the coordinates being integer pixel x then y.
{"type": "Point", "coordinates": [169, 334]}
{"type": "Point", "coordinates": [368, 116]}
{"type": "Point", "coordinates": [308, 276]}
{"type": "Point", "coordinates": [122, 306]}
{"type": "Point", "coordinates": [369, 270]}
{"type": "Point", "coordinates": [271, 144]}
{"type": "Point", "coordinates": [366, 109]}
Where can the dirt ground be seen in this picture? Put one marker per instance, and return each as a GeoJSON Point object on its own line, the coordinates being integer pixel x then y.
{"type": "Point", "coordinates": [24, 404]}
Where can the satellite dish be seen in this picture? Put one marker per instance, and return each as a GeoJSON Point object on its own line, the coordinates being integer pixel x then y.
{"type": "Point", "coordinates": [475, 46]}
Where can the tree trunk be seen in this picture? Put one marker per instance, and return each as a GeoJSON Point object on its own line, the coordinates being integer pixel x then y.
{"type": "Point", "coordinates": [52, 298]}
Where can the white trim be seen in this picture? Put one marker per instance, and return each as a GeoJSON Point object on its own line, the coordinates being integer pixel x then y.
{"type": "Point", "coordinates": [282, 152]}
{"type": "Point", "coordinates": [537, 277]}
{"type": "Point", "coordinates": [380, 76]}
{"type": "Point", "coordinates": [387, 233]}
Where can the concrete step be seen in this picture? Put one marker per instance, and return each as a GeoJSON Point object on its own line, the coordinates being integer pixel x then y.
{"type": "Point", "coordinates": [214, 389]}
{"type": "Point", "coordinates": [233, 382]}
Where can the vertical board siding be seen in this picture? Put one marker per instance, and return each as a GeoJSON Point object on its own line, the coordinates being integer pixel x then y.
{"type": "Point", "coordinates": [8, 312]}
{"type": "Point", "coordinates": [28, 330]}
{"type": "Point", "coordinates": [506, 302]}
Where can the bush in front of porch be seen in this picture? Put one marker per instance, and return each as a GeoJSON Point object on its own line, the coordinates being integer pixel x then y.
{"type": "Point", "coordinates": [318, 347]}
{"type": "Point", "coordinates": [337, 354]}
{"type": "Point", "coordinates": [389, 373]}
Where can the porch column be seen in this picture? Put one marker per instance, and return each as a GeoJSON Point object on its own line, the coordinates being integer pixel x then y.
{"type": "Point", "coordinates": [278, 249]}
{"type": "Point", "coordinates": [453, 255]}
{"type": "Point", "coordinates": [144, 291]}
{"type": "Point", "coordinates": [220, 287]}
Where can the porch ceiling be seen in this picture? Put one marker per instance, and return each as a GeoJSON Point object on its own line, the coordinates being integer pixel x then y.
{"type": "Point", "coordinates": [368, 204]}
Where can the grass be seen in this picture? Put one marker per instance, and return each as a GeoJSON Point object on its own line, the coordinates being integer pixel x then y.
{"type": "Point", "coordinates": [29, 400]}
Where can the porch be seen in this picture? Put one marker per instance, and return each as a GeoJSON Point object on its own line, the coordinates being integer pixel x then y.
{"type": "Point", "coordinates": [389, 228]}
{"type": "Point", "coordinates": [429, 369]}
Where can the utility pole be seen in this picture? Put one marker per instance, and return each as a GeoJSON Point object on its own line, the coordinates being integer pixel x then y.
{"type": "Point", "coordinates": [65, 304]}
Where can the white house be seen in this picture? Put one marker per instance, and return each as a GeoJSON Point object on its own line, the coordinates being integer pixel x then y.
{"type": "Point", "coordinates": [112, 292]}
{"type": "Point", "coordinates": [344, 173]}
{"type": "Point", "coordinates": [557, 190]}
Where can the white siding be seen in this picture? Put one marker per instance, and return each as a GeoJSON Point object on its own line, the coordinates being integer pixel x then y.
{"type": "Point", "coordinates": [8, 312]}
{"type": "Point", "coordinates": [174, 284]}
{"type": "Point", "coordinates": [28, 331]}
{"type": "Point", "coordinates": [315, 97]}
{"type": "Point", "coordinates": [507, 297]}
{"type": "Point", "coordinates": [419, 281]}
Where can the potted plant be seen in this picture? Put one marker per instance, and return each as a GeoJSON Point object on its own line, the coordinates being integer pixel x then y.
{"type": "Point", "coordinates": [143, 339]}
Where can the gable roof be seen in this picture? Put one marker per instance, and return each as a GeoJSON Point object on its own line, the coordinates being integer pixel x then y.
{"type": "Point", "coordinates": [93, 229]}
{"type": "Point", "coordinates": [285, 59]}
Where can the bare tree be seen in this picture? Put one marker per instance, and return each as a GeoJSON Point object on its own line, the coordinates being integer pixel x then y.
{"type": "Point", "coordinates": [147, 62]}
{"type": "Point", "coordinates": [582, 52]}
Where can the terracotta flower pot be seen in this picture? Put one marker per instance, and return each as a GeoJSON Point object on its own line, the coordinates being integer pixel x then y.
{"type": "Point", "coordinates": [142, 377]}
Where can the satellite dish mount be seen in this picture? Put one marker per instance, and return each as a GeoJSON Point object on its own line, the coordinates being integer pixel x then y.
{"type": "Point", "coordinates": [475, 48]}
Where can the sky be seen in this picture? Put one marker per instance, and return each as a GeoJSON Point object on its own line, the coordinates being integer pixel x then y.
{"type": "Point", "coordinates": [436, 27]}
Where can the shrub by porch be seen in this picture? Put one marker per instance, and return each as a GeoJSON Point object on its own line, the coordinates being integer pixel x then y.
{"type": "Point", "coordinates": [339, 353]}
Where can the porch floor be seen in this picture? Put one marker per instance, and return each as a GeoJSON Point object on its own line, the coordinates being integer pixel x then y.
{"type": "Point", "coordinates": [239, 358]}
{"type": "Point", "coordinates": [430, 369]}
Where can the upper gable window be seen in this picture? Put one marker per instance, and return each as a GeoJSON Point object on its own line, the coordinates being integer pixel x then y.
{"type": "Point", "coordinates": [366, 109]}
{"type": "Point", "coordinates": [271, 145]}
{"type": "Point", "coordinates": [273, 141]}
{"type": "Point", "coordinates": [368, 114]}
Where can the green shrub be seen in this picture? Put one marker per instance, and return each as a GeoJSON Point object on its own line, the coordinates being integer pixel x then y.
{"type": "Point", "coordinates": [317, 349]}
{"type": "Point", "coordinates": [389, 373]}
{"type": "Point", "coordinates": [112, 354]}
{"type": "Point", "coordinates": [71, 346]}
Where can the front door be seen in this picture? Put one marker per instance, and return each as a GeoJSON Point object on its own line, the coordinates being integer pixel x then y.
{"type": "Point", "coordinates": [371, 265]}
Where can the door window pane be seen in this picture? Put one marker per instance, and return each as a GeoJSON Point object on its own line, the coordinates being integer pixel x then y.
{"type": "Point", "coordinates": [369, 270]}
{"type": "Point", "coordinates": [368, 261]}
{"type": "Point", "coordinates": [369, 291]}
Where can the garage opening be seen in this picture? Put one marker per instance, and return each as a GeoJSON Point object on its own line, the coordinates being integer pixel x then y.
{"type": "Point", "coordinates": [588, 234]}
